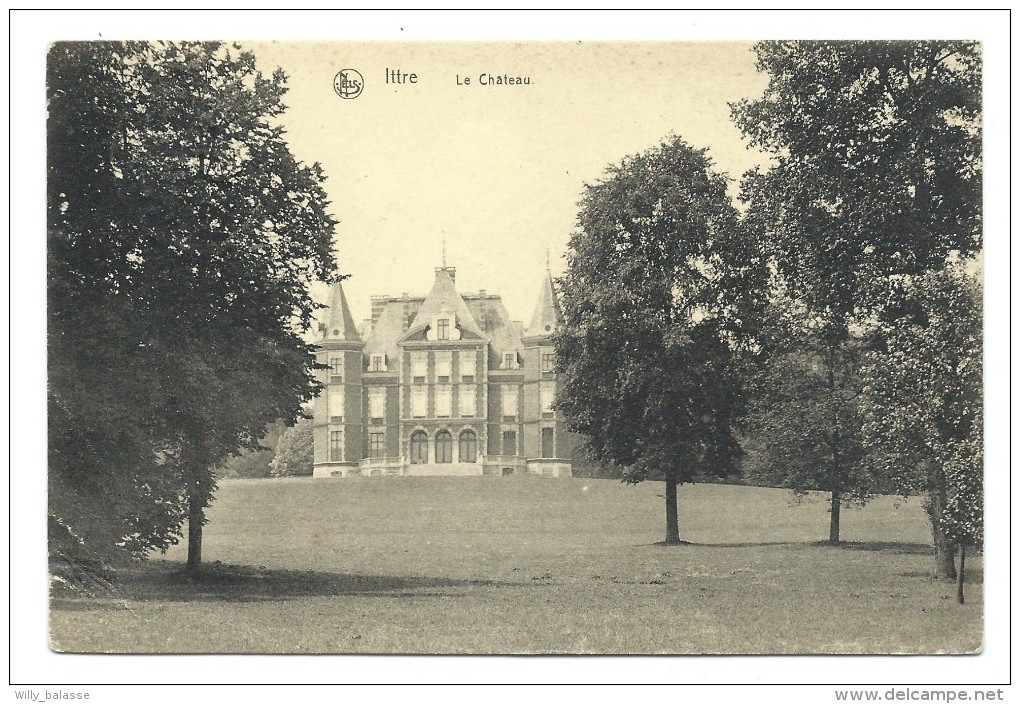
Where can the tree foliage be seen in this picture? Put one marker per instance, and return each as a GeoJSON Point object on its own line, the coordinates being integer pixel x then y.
{"type": "Point", "coordinates": [295, 451]}
{"type": "Point", "coordinates": [803, 427]}
{"type": "Point", "coordinates": [183, 235]}
{"type": "Point", "coordinates": [875, 175]}
{"type": "Point", "coordinates": [805, 421]}
{"type": "Point", "coordinates": [876, 164]}
{"type": "Point", "coordinates": [254, 463]}
{"type": "Point", "coordinates": [923, 406]}
{"type": "Point", "coordinates": [656, 299]}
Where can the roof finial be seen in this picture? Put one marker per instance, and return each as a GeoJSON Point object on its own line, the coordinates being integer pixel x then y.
{"type": "Point", "coordinates": [547, 259]}
{"type": "Point", "coordinates": [444, 254]}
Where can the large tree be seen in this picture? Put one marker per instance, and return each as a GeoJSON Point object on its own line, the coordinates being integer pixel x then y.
{"type": "Point", "coordinates": [875, 174]}
{"type": "Point", "coordinates": [876, 162]}
{"type": "Point", "coordinates": [655, 308]}
{"type": "Point", "coordinates": [183, 235]}
{"type": "Point", "coordinates": [803, 427]}
{"type": "Point", "coordinates": [923, 406]}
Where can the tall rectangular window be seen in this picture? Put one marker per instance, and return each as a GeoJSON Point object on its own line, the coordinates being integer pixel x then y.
{"type": "Point", "coordinates": [444, 446]}
{"type": "Point", "coordinates": [466, 362]}
{"type": "Point", "coordinates": [443, 329]}
{"type": "Point", "coordinates": [377, 404]}
{"type": "Point", "coordinates": [419, 447]}
{"type": "Point", "coordinates": [335, 401]}
{"type": "Point", "coordinates": [467, 395]}
{"type": "Point", "coordinates": [548, 444]}
{"type": "Point", "coordinates": [377, 445]}
{"type": "Point", "coordinates": [336, 446]}
{"type": "Point", "coordinates": [510, 443]}
{"type": "Point", "coordinates": [547, 397]}
{"type": "Point", "coordinates": [419, 367]}
{"type": "Point", "coordinates": [508, 392]}
{"type": "Point", "coordinates": [419, 401]}
{"type": "Point", "coordinates": [444, 367]}
{"type": "Point", "coordinates": [444, 399]}
{"type": "Point", "coordinates": [468, 447]}
{"type": "Point", "coordinates": [336, 368]}
{"type": "Point", "coordinates": [548, 361]}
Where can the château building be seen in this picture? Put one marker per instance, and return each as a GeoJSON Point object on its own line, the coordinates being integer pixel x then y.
{"type": "Point", "coordinates": [447, 384]}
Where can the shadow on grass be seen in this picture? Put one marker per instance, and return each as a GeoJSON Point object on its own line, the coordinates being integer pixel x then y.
{"type": "Point", "coordinates": [168, 582]}
{"type": "Point", "coordinates": [751, 545]}
{"type": "Point", "coordinates": [689, 544]}
{"type": "Point", "coordinates": [894, 548]}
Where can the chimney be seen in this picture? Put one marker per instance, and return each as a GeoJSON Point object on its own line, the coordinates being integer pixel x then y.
{"type": "Point", "coordinates": [378, 304]}
{"type": "Point", "coordinates": [450, 270]}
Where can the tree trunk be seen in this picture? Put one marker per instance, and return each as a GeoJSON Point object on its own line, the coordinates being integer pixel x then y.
{"type": "Point", "coordinates": [196, 517]}
{"type": "Point", "coordinates": [945, 565]}
{"type": "Point", "coordinates": [836, 503]}
{"type": "Point", "coordinates": [959, 575]}
{"type": "Point", "coordinates": [672, 523]}
{"type": "Point", "coordinates": [835, 473]}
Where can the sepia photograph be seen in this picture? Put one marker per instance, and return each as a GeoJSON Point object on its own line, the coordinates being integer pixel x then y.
{"type": "Point", "coordinates": [490, 347]}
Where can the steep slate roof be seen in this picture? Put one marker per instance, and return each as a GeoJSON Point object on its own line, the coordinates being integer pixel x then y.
{"type": "Point", "coordinates": [339, 323]}
{"type": "Point", "coordinates": [547, 316]}
{"type": "Point", "coordinates": [444, 296]}
{"type": "Point", "coordinates": [389, 327]}
{"type": "Point", "coordinates": [478, 315]}
{"type": "Point", "coordinates": [493, 318]}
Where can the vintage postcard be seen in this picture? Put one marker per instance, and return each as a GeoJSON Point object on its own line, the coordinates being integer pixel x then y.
{"type": "Point", "coordinates": [515, 347]}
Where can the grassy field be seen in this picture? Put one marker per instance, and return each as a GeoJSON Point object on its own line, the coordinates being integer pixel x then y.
{"type": "Point", "coordinates": [531, 565]}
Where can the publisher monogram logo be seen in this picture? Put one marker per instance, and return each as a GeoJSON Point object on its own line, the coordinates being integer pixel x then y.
{"type": "Point", "coordinates": [348, 83]}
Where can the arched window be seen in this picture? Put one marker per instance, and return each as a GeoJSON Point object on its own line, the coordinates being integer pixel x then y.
{"type": "Point", "coordinates": [444, 446]}
{"type": "Point", "coordinates": [419, 447]}
{"type": "Point", "coordinates": [468, 446]}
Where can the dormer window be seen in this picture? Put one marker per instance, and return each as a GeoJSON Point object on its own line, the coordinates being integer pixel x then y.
{"type": "Point", "coordinates": [509, 360]}
{"type": "Point", "coordinates": [378, 363]}
{"type": "Point", "coordinates": [443, 326]}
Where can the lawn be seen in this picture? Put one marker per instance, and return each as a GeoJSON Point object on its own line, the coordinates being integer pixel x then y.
{"type": "Point", "coordinates": [531, 565]}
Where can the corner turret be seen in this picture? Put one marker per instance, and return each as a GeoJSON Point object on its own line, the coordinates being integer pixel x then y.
{"type": "Point", "coordinates": [547, 317]}
{"type": "Point", "coordinates": [339, 325]}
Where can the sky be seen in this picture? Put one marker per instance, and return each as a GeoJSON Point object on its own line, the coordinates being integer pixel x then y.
{"type": "Point", "coordinates": [493, 171]}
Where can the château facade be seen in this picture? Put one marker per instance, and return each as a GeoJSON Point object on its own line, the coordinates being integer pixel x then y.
{"type": "Point", "coordinates": [446, 384]}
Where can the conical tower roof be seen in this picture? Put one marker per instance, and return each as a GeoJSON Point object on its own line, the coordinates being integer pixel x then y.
{"type": "Point", "coordinates": [339, 323]}
{"type": "Point", "coordinates": [547, 317]}
{"type": "Point", "coordinates": [443, 297]}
